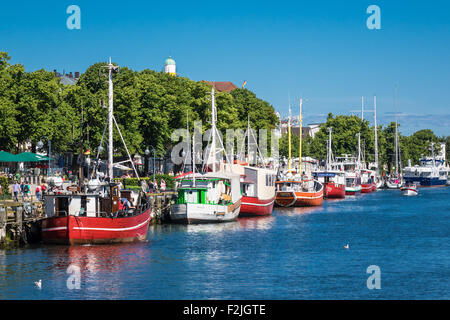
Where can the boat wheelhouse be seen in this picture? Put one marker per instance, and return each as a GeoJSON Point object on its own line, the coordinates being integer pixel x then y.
{"type": "Point", "coordinates": [206, 198]}
{"type": "Point", "coordinates": [352, 174]}
{"type": "Point", "coordinates": [367, 181]}
{"type": "Point", "coordinates": [333, 183]}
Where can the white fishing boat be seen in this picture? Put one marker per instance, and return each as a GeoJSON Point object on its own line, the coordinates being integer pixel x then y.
{"type": "Point", "coordinates": [409, 189]}
{"type": "Point", "coordinates": [208, 197]}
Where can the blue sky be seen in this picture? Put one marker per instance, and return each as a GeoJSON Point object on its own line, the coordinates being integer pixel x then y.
{"type": "Point", "coordinates": [320, 50]}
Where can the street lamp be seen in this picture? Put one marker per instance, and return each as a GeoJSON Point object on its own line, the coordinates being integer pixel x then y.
{"type": "Point", "coordinates": [147, 152]}
{"type": "Point", "coordinates": [40, 144]}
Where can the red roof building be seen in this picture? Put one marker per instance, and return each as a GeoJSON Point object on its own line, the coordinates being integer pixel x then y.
{"type": "Point", "coordinates": [221, 86]}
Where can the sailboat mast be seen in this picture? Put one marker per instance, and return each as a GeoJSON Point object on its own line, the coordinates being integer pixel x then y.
{"type": "Point", "coordinates": [359, 150]}
{"type": "Point", "coordinates": [396, 133]}
{"type": "Point", "coordinates": [289, 135]}
{"type": "Point", "coordinates": [213, 128]}
{"type": "Point", "coordinates": [110, 121]}
{"type": "Point", "coordinates": [300, 138]}
{"type": "Point", "coordinates": [375, 133]}
{"type": "Point", "coordinates": [193, 158]}
{"type": "Point", "coordinates": [248, 139]}
{"type": "Point", "coordinates": [330, 129]}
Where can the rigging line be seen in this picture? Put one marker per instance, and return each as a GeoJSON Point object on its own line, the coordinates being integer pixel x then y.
{"type": "Point", "coordinates": [120, 133]}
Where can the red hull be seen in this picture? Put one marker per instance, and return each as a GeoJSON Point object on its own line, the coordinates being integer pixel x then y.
{"type": "Point", "coordinates": [333, 191]}
{"type": "Point", "coordinates": [366, 188]}
{"type": "Point", "coordinates": [374, 187]}
{"type": "Point", "coordinates": [91, 230]}
{"type": "Point", "coordinates": [299, 199]}
{"type": "Point", "coordinates": [252, 206]}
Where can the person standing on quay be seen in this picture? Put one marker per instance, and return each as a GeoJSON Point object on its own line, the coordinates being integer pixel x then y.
{"type": "Point", "coordinates": [38, 193]}
{"type": "Point", "coordinates": [27, 190]}
{"type": "Point", "coordinates": [16, 189]}
{"type": "Point", "coordinates": [22, 185]}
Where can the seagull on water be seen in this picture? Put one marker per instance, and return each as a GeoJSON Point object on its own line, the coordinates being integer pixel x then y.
{"type": "Point", "coordinates": [38, 284]}
{"type": "Point", "coordinates": [347, 246]}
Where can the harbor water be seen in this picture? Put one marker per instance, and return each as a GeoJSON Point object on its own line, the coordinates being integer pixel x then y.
{"type": "Point", "coordinates": [297, 253]}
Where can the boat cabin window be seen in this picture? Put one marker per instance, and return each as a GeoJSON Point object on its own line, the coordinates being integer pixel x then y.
{"type": "Point", "coordinates": [350, 182]}
{"type": "Point", "coordinates": [83, 206]}
{"type": "Point", "coordinates": [61, 206]}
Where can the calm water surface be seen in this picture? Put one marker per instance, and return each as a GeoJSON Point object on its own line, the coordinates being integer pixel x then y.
{"type": "Point", "coordinates": [298, 253]}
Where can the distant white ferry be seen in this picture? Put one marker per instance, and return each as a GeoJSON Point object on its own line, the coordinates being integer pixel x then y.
{"type": "Point", "coordinates": [432, 172]}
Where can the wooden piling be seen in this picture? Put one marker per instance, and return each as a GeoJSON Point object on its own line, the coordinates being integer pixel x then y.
{"type": "Point", "coordinates": [3, 218]}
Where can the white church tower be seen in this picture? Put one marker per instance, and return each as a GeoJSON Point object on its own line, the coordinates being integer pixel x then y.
{"type": "Point", "coordinates": [170, 66]}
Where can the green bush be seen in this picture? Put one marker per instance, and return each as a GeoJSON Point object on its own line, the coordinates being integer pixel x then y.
{"type": "Point", "coordinates": [4, 182]}
{"type": "Point", "coordinates": [170, 181]}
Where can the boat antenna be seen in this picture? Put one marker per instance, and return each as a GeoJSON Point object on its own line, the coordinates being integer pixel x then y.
{"type": "Point", "coordinates": [289, 134]}
{"type": "Point", "coordinates": [330, 129]}
{"type": "Point", "coordinates": [396, 132]}
{"type": "Point", "coordinates": [375, 132]}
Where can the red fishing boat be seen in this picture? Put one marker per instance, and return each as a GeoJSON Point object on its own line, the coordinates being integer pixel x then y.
{"type": "Point", "coordinates": [305, 193]}
{"type": "Point", "coordinates": [333, 183]}
{"type": "Point", "coordinates": [368, 184]}
{"type": "Point", "coordinates": [98, 212]}
{"type": "Point", "coordinates": [258, 191]}
{"type": "Point", "coordinates": [92, 219]}
{"type": "Point", "coordinates": [257, 182]}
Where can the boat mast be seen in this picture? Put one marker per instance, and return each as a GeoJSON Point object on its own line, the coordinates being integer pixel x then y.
{"type": "Point", "coordinates": [330, 129]}
{"type": "Point", "coordinates": [248, 140]}
{"type": "Point", "coordinates": [289, 134]}
{"type": "Point", "coordinates": [396, 133]}
{"type": "Point", "coordinates": [375, 133]}
{"type": "Point", "coordinates": [359, 149]}
{"type": "Point", "coordinates": [193, 157]}
{"type": "Point", "coordinates": [213, 130]}
{"type": "Point", "coordinates": [300, 138]}
{"type": "Point", "coordinates": [110, 121]}
{"type": "Point", "coordinates": [432, 154]}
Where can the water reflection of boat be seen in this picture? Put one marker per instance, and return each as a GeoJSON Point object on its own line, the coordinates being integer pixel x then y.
{"type": "Point", "coordinates": [96, 258]}
{"type": "Point", "coordinates": [256, 223]}
{"type": "Point", "coordinates": [294, 211]}
{"type": "Point", "coordinates": [212, 228]}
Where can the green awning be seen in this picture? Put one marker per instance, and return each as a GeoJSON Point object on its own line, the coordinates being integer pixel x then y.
{"type": "Point", "coordinates": [30, 157]}
{"type": "Point", "coordinates": [7, 157]}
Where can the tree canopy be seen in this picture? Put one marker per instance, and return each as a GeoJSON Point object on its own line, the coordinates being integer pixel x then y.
{"type": "Point", "coordinates": [148, 107]}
